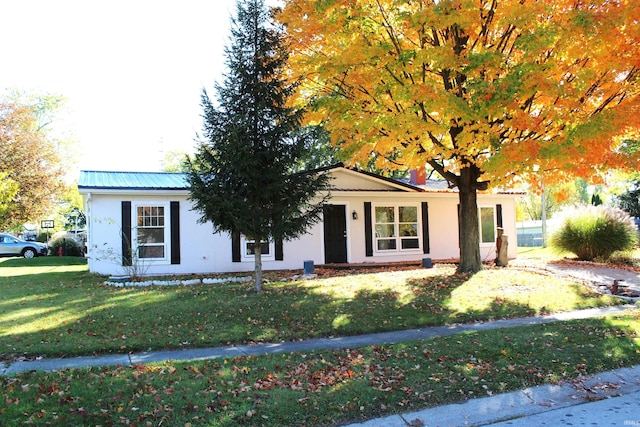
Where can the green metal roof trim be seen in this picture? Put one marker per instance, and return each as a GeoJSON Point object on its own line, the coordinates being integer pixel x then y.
{"type": "Point", "coordinates": [132, 180]}
{"type": "Point", "coordinates": [110, 180]}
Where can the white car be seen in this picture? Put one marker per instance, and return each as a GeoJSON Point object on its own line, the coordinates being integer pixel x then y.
{"type": "Point", "coordinates": [12, 246]}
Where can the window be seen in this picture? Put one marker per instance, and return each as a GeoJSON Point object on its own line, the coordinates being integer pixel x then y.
{"type": "Point", "coordinates": [396, 228]}
{"type": "Point", "coordinates": [151, 232]}
{"type": "Point", "coordinates": [487, 225]}
{"type": "Point", "coordinates": [250, 248]}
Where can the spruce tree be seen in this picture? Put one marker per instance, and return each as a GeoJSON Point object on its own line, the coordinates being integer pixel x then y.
{"type": "Point", "coordinates": [243, 177]}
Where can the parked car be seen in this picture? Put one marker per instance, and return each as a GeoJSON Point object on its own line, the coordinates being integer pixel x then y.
{"type": "Point", "coordinates": [12, 246]}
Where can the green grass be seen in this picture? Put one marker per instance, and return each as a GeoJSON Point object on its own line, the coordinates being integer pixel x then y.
{"type": "Point", "coordinates": [538, 252]}
{"type": "Point", "coordinates": [43, 270]}
{"type": "Point", "coordinates": [54, 307]}
{"type": "Point", "coordinates": [52, 310]}
{"type": "Point", "coordinates": [629, 258]}
{"type": "Point", "coordinates": [326, 387]}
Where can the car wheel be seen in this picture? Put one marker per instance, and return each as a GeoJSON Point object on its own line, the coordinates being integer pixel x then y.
{"type": "Point", "coordinates": [29, 253]}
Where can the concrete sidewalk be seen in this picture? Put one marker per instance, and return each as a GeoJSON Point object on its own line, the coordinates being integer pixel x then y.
{"type": "Point", "coordinates": [299, 346]}
{"type": "Point", "coordinates": [568, 403]}
{"type": "Point", "coordinates": [606, 399]}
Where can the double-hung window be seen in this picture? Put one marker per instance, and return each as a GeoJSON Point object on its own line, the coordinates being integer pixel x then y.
{"type": "Point", "coordinates": [396, 228]}
{"type": "Point", "coordinates": [151, 232]}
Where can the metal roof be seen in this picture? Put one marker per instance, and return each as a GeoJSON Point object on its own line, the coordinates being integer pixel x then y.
{"type": "Point", "coordinates": [132, 180]}
{"type": "Point", "coordinates": [114, 180]}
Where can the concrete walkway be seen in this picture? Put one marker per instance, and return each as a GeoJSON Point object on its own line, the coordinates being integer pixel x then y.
{"type": "Point", "coordinates": [299, 346]}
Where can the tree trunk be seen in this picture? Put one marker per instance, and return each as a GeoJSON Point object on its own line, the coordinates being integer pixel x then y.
{"type": "Point", "coordinates": [469, 234]}
{"type": "Point", "coordinates": [257, 284]}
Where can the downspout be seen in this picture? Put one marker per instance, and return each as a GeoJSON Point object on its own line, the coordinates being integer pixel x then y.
{"type": "Point", "coordinates": [88, 225]}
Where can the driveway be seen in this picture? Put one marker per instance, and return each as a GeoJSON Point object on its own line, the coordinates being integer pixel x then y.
{"type": "Point", "coordinates": [594, 273]}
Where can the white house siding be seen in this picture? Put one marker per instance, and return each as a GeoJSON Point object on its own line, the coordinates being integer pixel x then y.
{"type": "Point", "coordinates": [508, 224]}
{"type": "Point", "coordinates": [202, 251]}
{"type": "Point", "coordinates": [346, 179]}
{"type": "Point", "coordinates": [443, 225]}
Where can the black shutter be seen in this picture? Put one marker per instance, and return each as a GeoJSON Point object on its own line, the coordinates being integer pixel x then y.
{"type": "Point", "coordinates": [279, 250]}
{"type": "Point", "coordinates": [126, 233]}
{"type": "Point", "coordinates": [175, 232]}
{"type": "Point", "coordinates": [425, 228]}
{"type": "Point", "coordinates": [368, 230]}
{"type": "Point", "coordinates": [459, 235]}
{"type": "Point", "coordinates": [499, 215]}
{"type": "Point", "coordinates": [235, 246]}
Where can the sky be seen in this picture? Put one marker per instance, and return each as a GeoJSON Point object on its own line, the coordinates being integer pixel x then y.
{"type": "Point", "coordinates": [132, 71]}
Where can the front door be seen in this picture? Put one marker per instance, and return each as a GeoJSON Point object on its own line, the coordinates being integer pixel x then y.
{"type": "Point", "coordinates": [335, 234]}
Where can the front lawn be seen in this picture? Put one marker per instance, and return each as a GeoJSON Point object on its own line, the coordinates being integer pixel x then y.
{"type": "Point", "coordinates": [51, 308]}
{"type": "Point", "coordinates": [624, 259]}
{"type": "Point", "coordinates": [326, 387]}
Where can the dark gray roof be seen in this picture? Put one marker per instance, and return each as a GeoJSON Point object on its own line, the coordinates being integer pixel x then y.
{"type": "Point", "coordinates": [132, 180]}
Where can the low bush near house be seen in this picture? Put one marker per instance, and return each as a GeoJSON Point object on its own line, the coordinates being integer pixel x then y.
{"type": "Point", "coordinates": [593, 232]}
{"type": "Point", "coordinates": [70, 246]}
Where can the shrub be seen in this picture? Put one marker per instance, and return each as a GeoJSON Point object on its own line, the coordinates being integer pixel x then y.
{"type": "Point", "coordinates": [624, 258]}
{"type": "Point", "coordinates": [70, 246]}
{"type": "Point", "coordinates": [595, 232]}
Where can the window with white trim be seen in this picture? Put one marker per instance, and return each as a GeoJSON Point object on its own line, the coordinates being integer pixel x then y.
{"type": "Point", "coordinates": [151, 232]}
{"type": "Point", "coordinates": [487, 220]}
{"type": "Point", "coordinates": [266, 248]}
{"type": "Point", "coordinates": [396, 228]}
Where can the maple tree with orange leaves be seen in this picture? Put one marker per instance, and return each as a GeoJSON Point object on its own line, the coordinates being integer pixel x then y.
{"type": "Point", "coordinates": [484, 92]}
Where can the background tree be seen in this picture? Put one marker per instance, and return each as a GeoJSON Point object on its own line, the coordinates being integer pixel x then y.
{"type": "Point", "coordinates": [318, 152]}
{"type": "Point", "coordinates": [8, 189]}
{"type": "Point", "coordinates": [560, 195]}
{"type": "Point", "coordinates": [244, 176]}
{"type": "Point", "coordinates": [629, 200]}
{"type": "Point", "coordinates": [29, 159]}
{"type": "Point", "coordinates": [70, 209]}
{"type": "Point", "coordinates": [482, 91]}
{"type": "Point", "coordinates": [175, 161]}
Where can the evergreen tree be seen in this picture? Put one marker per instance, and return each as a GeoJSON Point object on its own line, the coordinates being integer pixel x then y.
{"type": "Point", "coordinates": [629, 201]}
{"type": "Point", "coordinates": [244, 176]}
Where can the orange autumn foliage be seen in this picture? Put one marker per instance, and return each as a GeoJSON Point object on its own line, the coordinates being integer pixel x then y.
{"type": "Point", "coordinates": [527, 85]}
{"type": "Point", "coordinates": [485, 92]}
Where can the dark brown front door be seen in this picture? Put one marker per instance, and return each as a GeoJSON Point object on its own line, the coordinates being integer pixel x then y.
{"type": "Point", "coordinates": [335, 234]}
